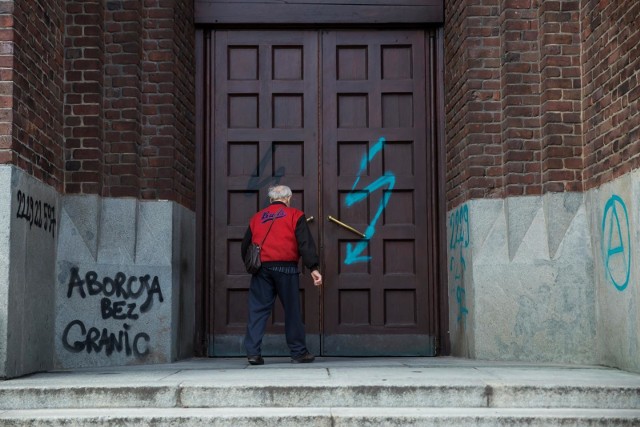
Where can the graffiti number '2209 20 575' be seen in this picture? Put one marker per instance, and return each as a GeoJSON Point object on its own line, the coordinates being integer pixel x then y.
{"type": "Point", "coordinates": [354, 252]}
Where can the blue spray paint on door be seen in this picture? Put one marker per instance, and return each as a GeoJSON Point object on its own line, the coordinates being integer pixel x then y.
{"type": "Point", "coordinates": [354, 253]}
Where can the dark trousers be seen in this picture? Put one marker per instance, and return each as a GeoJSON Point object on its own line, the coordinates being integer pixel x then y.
{"type": "Point", "coordinates": [265, 285]}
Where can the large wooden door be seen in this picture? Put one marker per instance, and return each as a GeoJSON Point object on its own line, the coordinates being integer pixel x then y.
{"type": "Point", "coordinates": [341, 117]}
{"type": "Point", "coordinates": [374, 179]}
{"type": "Point", "coordinates": [265, 133]}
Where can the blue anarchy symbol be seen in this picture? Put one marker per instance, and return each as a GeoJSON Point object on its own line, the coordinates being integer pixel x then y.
{"type": "Point", "coordinates": [616, 242]}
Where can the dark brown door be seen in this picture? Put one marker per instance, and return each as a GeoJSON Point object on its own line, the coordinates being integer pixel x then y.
{"type": "Point", "coordinates": [265, 133]}
{"type": "Point", "coordinates": [340, 117]}
{"type": "Point", "coordinates": [374, 179]}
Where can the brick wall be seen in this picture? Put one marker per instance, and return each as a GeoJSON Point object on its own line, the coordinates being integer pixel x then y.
{"type": "Point", "coordinates": [130, 99]}
{"type": "Point", "coordinates": [31, 85]}
{"type": "Point", "coordinates": [514, 96]}
{"type": "Point", "coordinates": [97, 96]}
{"type": "Point", "coordinates": [184, 104]}
{"type": "Point", "coordinates": [561, 126]}
{"type": "Point", "coordinates": [520, 99]}
{"type": "Point", "coordinates": [84, 83]}
{"type": "Point", "coordinates": [611, 79]}
{"type": "Point", "coordinates": [456, 107]}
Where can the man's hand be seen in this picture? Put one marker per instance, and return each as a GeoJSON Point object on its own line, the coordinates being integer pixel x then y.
{"type": "Point", "coordinates": [317, 278]}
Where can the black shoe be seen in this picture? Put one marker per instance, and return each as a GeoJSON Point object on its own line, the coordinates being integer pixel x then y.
{"type": "Point", "coordinates": [255, 360]}
{"type": "Point", "coordinates": [305, 358]}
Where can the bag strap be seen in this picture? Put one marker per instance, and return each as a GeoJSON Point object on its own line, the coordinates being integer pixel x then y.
{"type": "Point", "coordinates": [265, 236]}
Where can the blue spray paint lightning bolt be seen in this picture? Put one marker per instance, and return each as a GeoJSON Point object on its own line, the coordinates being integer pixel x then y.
{"type": "Point", "coordinates": [354, 253]}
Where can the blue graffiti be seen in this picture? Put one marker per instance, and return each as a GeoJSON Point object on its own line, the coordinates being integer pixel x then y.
{"type": "Point", "coordinates": [459, 241]}
{"type": "Point", "coordinates": [354, 253]}
{"type": "Point", "coordinates": [462, 310]}
{"type": "Point", "coordinates": [616, 249]}
{"type": "Point", "coordinates": [459, 224]}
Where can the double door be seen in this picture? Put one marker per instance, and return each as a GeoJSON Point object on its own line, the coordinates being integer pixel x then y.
{"type": "Point", "coordinates": [341, 117]}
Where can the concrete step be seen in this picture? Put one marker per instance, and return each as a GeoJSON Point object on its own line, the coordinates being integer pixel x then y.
{"type": "Point", "coordinates": [313, 416]}
{"type": "Point", "coordinates": [275, 395]}
{"type": "Point", "coordinates": [331, 392]}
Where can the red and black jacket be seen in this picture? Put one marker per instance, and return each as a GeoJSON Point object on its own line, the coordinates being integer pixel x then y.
{"type": "Point", "coordinates": [288, 239]}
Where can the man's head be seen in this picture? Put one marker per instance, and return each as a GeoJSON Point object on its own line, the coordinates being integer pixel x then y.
{"type": "Point", "coordinates": [280, 193]}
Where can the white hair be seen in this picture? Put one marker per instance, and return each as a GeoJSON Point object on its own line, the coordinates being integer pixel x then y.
{"type": "Point", "coordinates": [279, 192]}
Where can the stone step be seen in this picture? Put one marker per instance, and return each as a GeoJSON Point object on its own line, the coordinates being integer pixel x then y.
{"type": "Point", "coordinates": [323, 416]}
{"type": "Point", "coordinates": [281, 394]}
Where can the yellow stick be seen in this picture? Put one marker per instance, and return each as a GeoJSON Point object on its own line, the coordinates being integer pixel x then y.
{"type": "Point", "coordinates": [348, 227]}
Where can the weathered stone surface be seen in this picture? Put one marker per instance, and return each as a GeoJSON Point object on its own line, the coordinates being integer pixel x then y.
{"type": "Point", "coordinates": [615, 209]}
{"type": "Point", "coordinates": [124, 287]}
{"type": "Point", "coordinates": [524, 303]}
{"type": "Point", "coordinates": [29, 218]}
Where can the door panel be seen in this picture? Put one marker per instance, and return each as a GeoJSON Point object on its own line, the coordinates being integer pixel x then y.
{"type": "Point", "coordinates": [374, 179]}
{"type": "Point", "coordinates": [265, 132]}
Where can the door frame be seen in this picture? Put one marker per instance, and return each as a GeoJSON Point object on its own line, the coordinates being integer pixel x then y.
{"type": "Point", "coordinates": [424, 15]}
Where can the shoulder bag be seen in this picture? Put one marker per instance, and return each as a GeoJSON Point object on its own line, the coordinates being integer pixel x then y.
{"type": "Point", "coordinates": [252, 261]}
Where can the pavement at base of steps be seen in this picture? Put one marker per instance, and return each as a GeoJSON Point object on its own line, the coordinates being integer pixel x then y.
{"type": "Point", "coordinates": [337, 371]}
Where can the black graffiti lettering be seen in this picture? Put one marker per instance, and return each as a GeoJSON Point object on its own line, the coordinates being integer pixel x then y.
{"type": "Point", "coordinates": [130, 313]}
{"type": "Point", "coordinates": [141, 288]}
{"type": "Point", "coordinates": [91, 342]}
{"type": "Point", "coordinates": [75, 282]}
{"type": "Point", "coordinates": [121, 278]}
{"type": "Point", "coordinates": [115, 310]}
{"type": "Point", "coordinates": [105, 308]}
{"type": "Point", "coordinates": [111, 342]}
{"type": "Point", "coordinates": [46, 213]}
{"type": "Point", "coordinates": [31, 213]}
{"type": "Point", "coordinates": [35, 212]}
{"type": "Point", "coordinates": [95, 340]}
{"type": "Point", "coordinates": [53, 222]}
{"type": "Point", "coordinates": [77, 346]}
{"type": "Point", "coordinates": [126, 340]}
{"type": "Point", "coordinates": [144, 281]}
{"type": "Point", "coordinates": [136, 349]}
{"type": "Point", "coordinates": [116, 293]}
{"type": "Point", "coordinates": [108, 286]}
{"type": "Point", "coordinates": [94, 287]}
{"type": "Point", "coordinates": [19, 196]}
{"type": "Point", "coordinates": [155, 289]}
{"type": "Point", "coordinates": [119, 286]}
{"type": "Point", "coordinates": [37, 215]}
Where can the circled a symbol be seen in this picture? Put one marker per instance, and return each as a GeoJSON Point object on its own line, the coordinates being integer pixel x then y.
{"type": "Point", "coordinates": [616, 242]}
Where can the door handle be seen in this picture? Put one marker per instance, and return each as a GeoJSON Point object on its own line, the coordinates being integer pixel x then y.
{"type": "Point", "coordinates": [348, 227]}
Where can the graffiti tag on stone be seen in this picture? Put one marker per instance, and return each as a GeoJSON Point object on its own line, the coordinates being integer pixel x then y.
{"type": "Point", "coordinates": [120, 298]}
{"type": "Point", "coordinates": [458, 244]}
{"type": "Point", "coordinates": [616, 242]}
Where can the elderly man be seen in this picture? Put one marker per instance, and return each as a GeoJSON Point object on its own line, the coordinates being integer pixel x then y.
{"type": "Point", "coordinates": [284, 236]}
